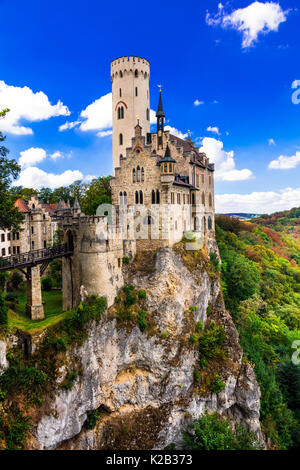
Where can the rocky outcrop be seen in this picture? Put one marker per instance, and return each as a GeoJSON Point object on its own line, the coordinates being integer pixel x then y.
{"type": "Point", "coordinates": [142, 384]}
{"type": "Point", "coordinates": [3, 361]}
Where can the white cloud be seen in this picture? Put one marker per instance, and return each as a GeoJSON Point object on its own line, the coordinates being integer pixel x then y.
{"type": "Point", "coordinates": [258, 202]}
{"type": "Point", "coordinates": [224, 161]}
{"type": "Point", "coordinates": [68, 125]}
{"type": "Point", "coordinates": [153, 118]}
{"type": "Point", "coordinates": [271, 142]}
{"type": "Point", "coordinates": [216, 130]}
{"type": "Point", "coordinates": [31, 157]}
{"type": "Point", "coordinates": [104, 133]}
{"type": "Point", "coordinates": [198, 103]}
{"type": "Point", "coordinates": [25, 105]}
{"type": "Point", "coordinates": [176, 132]}
{"type": "Point", "coordinates": [257, 18]}
{"type": "Point", "coordinates": [97, 115]}
{"type": "Point", "coordinates": [54, 156]}
{"type": "Point", "coordinates": [285, 163]}
{"type": "Point", "coordinates": [34, 177]}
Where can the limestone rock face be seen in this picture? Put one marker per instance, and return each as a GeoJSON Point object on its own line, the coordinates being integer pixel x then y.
{"type": "Point", "coordinates": [3, 361]}
{"type": "Point", "coordinates": [142, 384]}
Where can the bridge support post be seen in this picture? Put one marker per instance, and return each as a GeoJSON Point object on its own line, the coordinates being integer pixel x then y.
{"type": "Point", "coordinates": [34, 307]}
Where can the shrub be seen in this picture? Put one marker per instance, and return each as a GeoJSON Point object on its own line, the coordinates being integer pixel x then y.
{"type": "Point", "coordinates": [217, 385]}
{"type": "Point", "coordinates": [142, 320]}
{"type": "Point", "coordinates": [165, 335]}
{"type": "Point", "coordinates": [3, 311]}
{"type": "Point", "coordinates": [13, 429]}
{"type": "Point", "coordinates": [126, 260]}
{"type": "Point", "coordinates": [196, 375]}
{"type": "Point", "coordinates": [214, 260]}
{"type": "Point", "coordinates": [70, 379]}
{"type": "Point", "coordinates": [193, 339]}
{"type": "Point", "coordinates": [47, 283]}
{"type": "Point", "coordinates": [11, 297]}
{"type": "Point", "coordinates": [142, 294]}
{"type": "Point", "coordinates": [211, 341]}
{"type": "Point", "coordinates": [213, 432]}
{"type": "Point", "coordinates": [92, 419]}
{"type": "Point", "coordinates": [127, 289]}
{"type": "Point", "coordinates": [15, 280]}
{"type": "Point", "coordinates": [130, 300]}
{"type": "Point", "coordinates": [199, 326]}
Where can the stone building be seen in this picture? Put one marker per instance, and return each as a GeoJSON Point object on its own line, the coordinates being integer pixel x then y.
{"type": "Point", "coordinates": [159, 171]}
{"type": "Point", "coordinates": [4, 243]}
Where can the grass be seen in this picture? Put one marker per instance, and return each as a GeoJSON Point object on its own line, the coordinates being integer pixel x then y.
{"type": "Point", "coordinates": [52, 307]}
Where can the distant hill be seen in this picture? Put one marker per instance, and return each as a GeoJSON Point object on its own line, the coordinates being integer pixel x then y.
{"type": "Point", "coordinates": [242, 215]}
{"type": "Point", "coordinates": [287, 222]}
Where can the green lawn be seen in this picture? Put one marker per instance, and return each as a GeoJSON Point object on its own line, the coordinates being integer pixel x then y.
{"type": "Point", "coordinates": [52, 308]}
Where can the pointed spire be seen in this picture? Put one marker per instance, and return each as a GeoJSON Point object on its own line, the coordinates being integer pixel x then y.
{"type": "Point", "coordinates": [61, 205]}
{"type": "Point", "coordinates": [76, 205]}
{"type": "Point", "coordinates": [167, 157]}
{"type": "Point", "coordinates": [160, 111]}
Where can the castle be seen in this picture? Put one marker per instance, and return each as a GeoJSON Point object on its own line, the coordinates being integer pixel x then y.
{"type": "Point", "coordinates": [162, 191]}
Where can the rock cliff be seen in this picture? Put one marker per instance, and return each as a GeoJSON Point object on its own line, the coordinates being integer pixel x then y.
{"type": "Point", "coordinates": [141, 385]}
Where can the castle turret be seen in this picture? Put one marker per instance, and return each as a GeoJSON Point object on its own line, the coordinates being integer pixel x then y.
{"type": "Point", "coordinates": [160, 115]}
{"type": "Point", "coordinates": [130, 100]}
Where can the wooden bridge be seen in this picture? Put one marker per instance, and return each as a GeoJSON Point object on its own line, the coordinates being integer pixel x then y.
{"type": "Point", "coordinates": [33, 264]}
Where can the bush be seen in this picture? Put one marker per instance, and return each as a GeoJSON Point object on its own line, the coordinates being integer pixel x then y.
{"type": "Point", "coordinates": [130, 300]}
{"type": "Point", "coordinates": [3, 311]}
{"type": "Point", "coordinates": [193, 339]}
{"type": "Point", "coordinates": [211, 341]}
{"type": "Point", "coordinates": [142, 320]}
{"type": "Point", "coordinates": [15, 280]}
{"type": "Point", "coordinates": [47, 283]}
{"type": "Point", "coordinates": [196, 375]}
{"type": "Point", "coordinates": [126, 260]}
{"type": "Point", "coordinates": [11, 297]}
{"type": "Point", "coordinates": [70, 379]}
{"type": "Point", "coordinates": [217, 385]}
{"type": "Point", "coordinates": [127, 289]}
{"type": "Point", "coordinates": [92, 419]}
{"type": "Point", "coordinates": [142, 294]}
{"type": "Point", "coordinates": [213, 432]}
{"type": "Point", "coordinates": [214, 260]}
{"type": "Point", "coordinates": [199, 326]}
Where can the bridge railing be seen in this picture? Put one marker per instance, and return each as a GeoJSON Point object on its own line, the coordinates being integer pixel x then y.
{"type": "Point", "coordinates": [35, 256]}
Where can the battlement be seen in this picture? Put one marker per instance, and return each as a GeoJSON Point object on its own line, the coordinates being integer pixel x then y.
{"type": "Point", "coordinates": [129, 65]}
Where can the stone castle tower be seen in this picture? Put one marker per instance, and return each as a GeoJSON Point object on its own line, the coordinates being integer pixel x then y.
{"type": "Point", "coordinates": [130, 101]}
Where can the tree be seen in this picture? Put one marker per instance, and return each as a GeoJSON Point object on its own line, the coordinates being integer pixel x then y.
{"type": "Point", "coordinates": [98, 192]}
{"type": "Point", "coordinates": [3, 311]}
{"type": "Point", "coordinates": [10, 217]}
{"type": "Point", "coordinates": [213, 432]}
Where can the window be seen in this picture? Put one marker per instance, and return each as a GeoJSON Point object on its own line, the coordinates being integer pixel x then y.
{"type": "Point", "coordinates": [2, 237]}
{"type": "Point", "coordinates": [18, 250]}
{"type": "Point", "coordinates": [44, 230]}
{"type": "Point", "coordinates": [32, 245]}
{"type": "Point", "coordinates": [141, 197]}
{"type": "Point", "coordinates": [175, 224]}
{"type": "Point", "coordinates": [33, 206]}
{"type": "Point", "coordinates": [210, 180]}
{"type": "Point", "coordinates": [121, 74]}
{"type": "Point", "coordinates": [18, 235]}
{"type": "Point", "coordinates": [133, 176]}
{"type": "Point", "coordinates": [121, 199]}
{"type": "Point", "coordinates": [166, 167]}
{"type": "Point", "coordinates": [45, 244]}
{"type": "Point", "coordinates": [32, 230]}
{"type": "Point", "coordinates": [193, 198]}
{"type": "Point", "coordinates": [138, 174]}
{"type": "Point", "coordinates": [120, 139]}
{"type": "Point", "coordinates": [204, 224]}
{"type": "Point", "coordinates": [143, 174]}
{"type": "Point", "coordinates": [125, 198]}
{"type": "Point", "coordinates": [153, 196]}
{"type": "Point", "coordinates": [148, 137]}
{"type": "Point", "coordinates": [136, 197]}
{"type": "Point", "coordinates": [136, 73]}
{"type": "Point", "coordinates": [44, 217]}
{"type": "Point", "coordinates": [14, 250]}
{"type": "Point", "coordinates": [9, 250]}
{"type": "Point", "coordinates": [210, 200]}
{"type": "Point", "coordinates": [178, 198]}
{"type": "Point", "coordinates": [120, 112]}
{"type": "Point", "coordinates": [121, 156]}
{"type": "Point", "coordinates": [148, 114]}
{"type": "Point", "coordinates": [136, 91]}
{"type": "Point", "coordinates": [183, 199]}
{"type": "Point", "coordinates": [157, 197]}
{"type": "Point", "coordinates": [203, 198]}
{"type": "Point", "coordinates": [120, 92]}
{"type": "Point", "coordinates": [3, 252]}
{"type": "Point", "coordinates": [209, 223]}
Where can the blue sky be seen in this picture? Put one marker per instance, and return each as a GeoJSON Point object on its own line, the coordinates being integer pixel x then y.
{"type": "Point", "coordinates": [228, 68]}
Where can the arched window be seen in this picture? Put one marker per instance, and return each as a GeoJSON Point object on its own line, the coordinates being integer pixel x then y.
{"type": "Point", "coordinates": [33, 206]}
{"type": "Point", "coordinates": [138, 174]}
{"type": "Point", "coordinates": [136, 91]}
{"type": "Point", "coordinates": [136, 73]}
{"type": "Point", "coordinates": [196, 224]}
{"type": "Point", "coordinates": [210, 200]}
{"type": "Point", "coordinates": [193, 198]}
{"type": "Point", "coordinates": [153, 196]}
{"type": "Point", "coordinates": [120, 93]}
{"type": "Point", "coordinates": [143, 174]}
{"type": "Point", "coordinates": [157, 197]}
{"type": "Point", "coordinates": [133, 176]}
{"type": "Point", "coordinates": [121, 156]}
{"type": "Point", "coordinates": [120, 139]}
{"type": "Point", "coordinates": [148, 114]}
{"type": "Point", "coordinates": [121, 199]}
{"type": "Point", "coordinates": [119, 113]}
{"type": "Point", "coordinates": [121, 74]}
{"type": "Point", "coordinates": [125, 199]}
{"type": "Point", "coordinates": [209, 223]}
{"type": "Point", "coordinates": [141, 197]}
{"type": "Point", "coordinates": [203, 198]}
{"type": "Point", "coordinates": [136, 197]}
{"type": "Point", "coordinates": [122, 112]}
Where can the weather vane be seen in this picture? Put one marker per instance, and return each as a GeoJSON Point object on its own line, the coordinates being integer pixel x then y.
{"type": "Point", "coordinates": [138, 118]}
{"type": "Point", "coordinates": [189, 133]}
{"type": "Point", "coordinates": [160, 87]}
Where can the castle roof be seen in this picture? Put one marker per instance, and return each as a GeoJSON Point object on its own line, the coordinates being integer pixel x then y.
{"type": "Point", "coordinates": [167, 158]}
{"type": "Point", "coordinates": [21, 205]}
{"type": "Point", "coordinates": [160, 111]}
